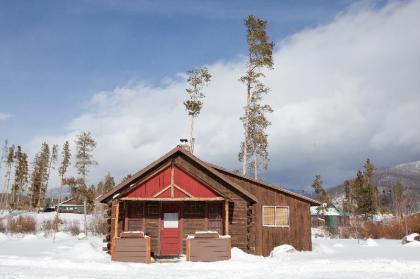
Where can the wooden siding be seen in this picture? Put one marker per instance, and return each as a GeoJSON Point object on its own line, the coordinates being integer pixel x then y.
{"type": "Point", "coordinates": [153, 185]}
{"type": "Point", "coordinates": [132, 250]}
{"type": "Point", "coordinates": [208, 250]}
{"type": "Point", "coordinates": [298, 234]}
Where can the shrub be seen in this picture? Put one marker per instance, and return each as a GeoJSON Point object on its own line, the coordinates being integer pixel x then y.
{"type": "Point", "coordinates": [98, 225]}
{"type": "Point", "coordinates": [72, 227]}
{"type": "Point", "coordinates": [2, 226]}
{"type": "Point", "coordinates": [21, 224]}
{"type": "Point", "coordinates": [50, 226]}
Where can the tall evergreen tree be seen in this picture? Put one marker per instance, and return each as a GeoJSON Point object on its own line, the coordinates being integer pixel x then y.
{"type": "Point", "coordinates": [197, 80]}
{"type": "Point", "coordinates": [260, 57]}
{"type": "Point", "coordinates": [348, 202]}
{"type": "Point", "coordinates": [4, 151]}
{"type": "Point", "coordinates": [21, 177]}
{"type": "Point", "coordinates": [39, 175]}
{"type": "Point", "coordinates": [105, 185]}
{"type": "Point", "coordinates": [45, 161]}
{"type": "Point", "coordinates": [369, 172]}
{"type": "Point", "coordinates": [64, 165]}
{"type": "Point", "coordinates": [10, 159]}
{"type": "Point", "coordinates": [321, 195]}
{"type": "Point", "coordinates": [85, 144]}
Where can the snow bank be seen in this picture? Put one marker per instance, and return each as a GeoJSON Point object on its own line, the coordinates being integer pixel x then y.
{"type": "Point", "coordinates": [410, 238]}
{"type": "Point", "coordinates": [3, 237]}
{"type": "Point", "coordinates": [279, 251]}
{"type": "Point", "coordinates": [413, 244]}
{"type": "Point", "coordinates": [370, 242]}
{"type": "Point", "coordinates": [84, 251]}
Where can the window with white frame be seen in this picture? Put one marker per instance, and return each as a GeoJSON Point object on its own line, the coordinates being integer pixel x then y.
{"type": "Point", "coordinates": [276, 216]}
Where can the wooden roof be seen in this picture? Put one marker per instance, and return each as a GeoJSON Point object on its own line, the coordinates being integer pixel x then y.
{"type": "Point", "coordinates": [217, 171]}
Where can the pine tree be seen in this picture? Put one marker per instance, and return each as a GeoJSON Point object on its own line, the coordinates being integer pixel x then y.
{"type": "Point", "coordinates": [85, 144]}
{"type": "Point", "coordinates": [109, 183]}
{"type": "Point", "coordinates": [398, 197]}
{"type": "Point", "coordinates": [45, 162]}
{"type": "Point", "coordinates": [4, 151]}
{"type": "Point", "coordinates": [348, 202]}
{"type": "Point", "coordinates": [21, 177]}
{"type": "Point", "coordinates": [197, 80]}
{"type": "Point", "coordinates": [39, 175]}
{"type": "Point", "coordinates": [125, 178]}
{"type": "Point", "coordinates": [64, 165]}
{"type": "Point", "coordinates": [369, 172]}
{"type": "Point", "coordinates": [321, 195]}
{"type": "Point", "coordinates": [10, 159]}
{"type": "Point", "coordinates": [260, 56]}
{"type": "Point", "coordinates": [105, 185]}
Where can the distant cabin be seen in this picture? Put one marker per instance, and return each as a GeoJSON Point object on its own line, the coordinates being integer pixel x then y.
{"type": "Point", "coordinates": [70, 206]}
{"type": "Point", "coordinates": [179, 194]}
{"type": "Point", "coordinates": [332, 218]}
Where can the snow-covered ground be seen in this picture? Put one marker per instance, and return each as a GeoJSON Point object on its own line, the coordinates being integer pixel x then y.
{"type": "Point", "coordinates": [34, 256]}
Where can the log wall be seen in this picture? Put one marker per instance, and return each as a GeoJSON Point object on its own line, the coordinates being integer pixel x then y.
{"type": "Point", "coordinates": [298, 234]}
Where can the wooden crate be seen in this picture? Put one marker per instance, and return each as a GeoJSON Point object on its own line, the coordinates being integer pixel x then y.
{"type": "Point", "coordinates": [131, 250]}
{"type": "Point", "coordinates": [208, 249]}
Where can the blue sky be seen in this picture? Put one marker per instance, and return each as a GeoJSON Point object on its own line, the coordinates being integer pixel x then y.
{"type": "Point", "coordinates": [55, 54]}
{"type": "Point", "coordinates": [344, 86]}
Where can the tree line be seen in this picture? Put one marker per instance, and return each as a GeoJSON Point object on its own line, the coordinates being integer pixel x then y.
{"type": "Point", "coordinates": [31, 181]}
{"type": "Point", "coordinates": [362, 197]}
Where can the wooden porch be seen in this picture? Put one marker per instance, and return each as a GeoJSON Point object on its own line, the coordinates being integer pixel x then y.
{"type": "Point", "coordinates": [168, 235]}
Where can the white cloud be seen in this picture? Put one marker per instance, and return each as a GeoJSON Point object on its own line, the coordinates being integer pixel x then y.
{"type": "Point", "coordinates": [5, 116]}
{"type": "Point", "coordinates": [341, 92]}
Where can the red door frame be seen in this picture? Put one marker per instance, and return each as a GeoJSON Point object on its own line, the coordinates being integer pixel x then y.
{"type": "Point", "coordinates": [168, 236]}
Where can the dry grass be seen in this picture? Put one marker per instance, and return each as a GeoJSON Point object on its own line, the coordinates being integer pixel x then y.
{"type": "Point", "coordinates": [2, 227]}
{"type": "Point", "coordinates": [390, 229]}
{"type": "Point", "coordinates": [51, 226]}
{"type": "Point", "coordinates": [72, 227]}
{"type": "Point", "coordinates": [98, 225]}
{"type": "Point", "coordinates": [21, 224]}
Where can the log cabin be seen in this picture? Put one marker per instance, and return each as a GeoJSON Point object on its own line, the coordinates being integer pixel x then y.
{"type": "Point", "coordinates": [179, 194]}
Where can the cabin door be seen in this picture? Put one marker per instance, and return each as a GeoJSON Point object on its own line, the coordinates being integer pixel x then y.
{"type": "Point", "coordinates": [170, 230]}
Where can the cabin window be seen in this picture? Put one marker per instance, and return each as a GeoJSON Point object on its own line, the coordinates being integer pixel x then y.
{"type": "Point", "coordinates": [275, 216]}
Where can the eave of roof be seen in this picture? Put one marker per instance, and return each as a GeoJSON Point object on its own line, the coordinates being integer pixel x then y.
{"type": "Point", "coordinates": [264, 184]}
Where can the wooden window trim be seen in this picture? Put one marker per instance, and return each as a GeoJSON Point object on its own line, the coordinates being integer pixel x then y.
{"type": "Point", "coordinates": [275, 208]}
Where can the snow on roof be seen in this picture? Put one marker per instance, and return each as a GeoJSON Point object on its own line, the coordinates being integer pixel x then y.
{"type": "Point", "coordinates": [330, 211]}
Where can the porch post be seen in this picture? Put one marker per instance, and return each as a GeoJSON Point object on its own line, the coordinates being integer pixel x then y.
{"type": "Point", "coordinates": [226, 217]}
{"type": "Point", "coordinates": [117, 215]}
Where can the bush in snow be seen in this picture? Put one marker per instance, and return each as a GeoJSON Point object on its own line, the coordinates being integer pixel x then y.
{"type": "Point", "coordinates": [73, 227]}
{"type": "Point", "coordinates": [98, 225]}
{"type": "Point", "coordinates": [21, 224]}
{"type": "Point", "coordinates": [51, 226]}
{"type": "Point", "coordinates": [2, 227]}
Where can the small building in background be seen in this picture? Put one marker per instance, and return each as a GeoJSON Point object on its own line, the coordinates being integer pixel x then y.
{"type": "Point", "coordinates": [332, 218]}
{"type": "Point", "coordinates": [70, 206]}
